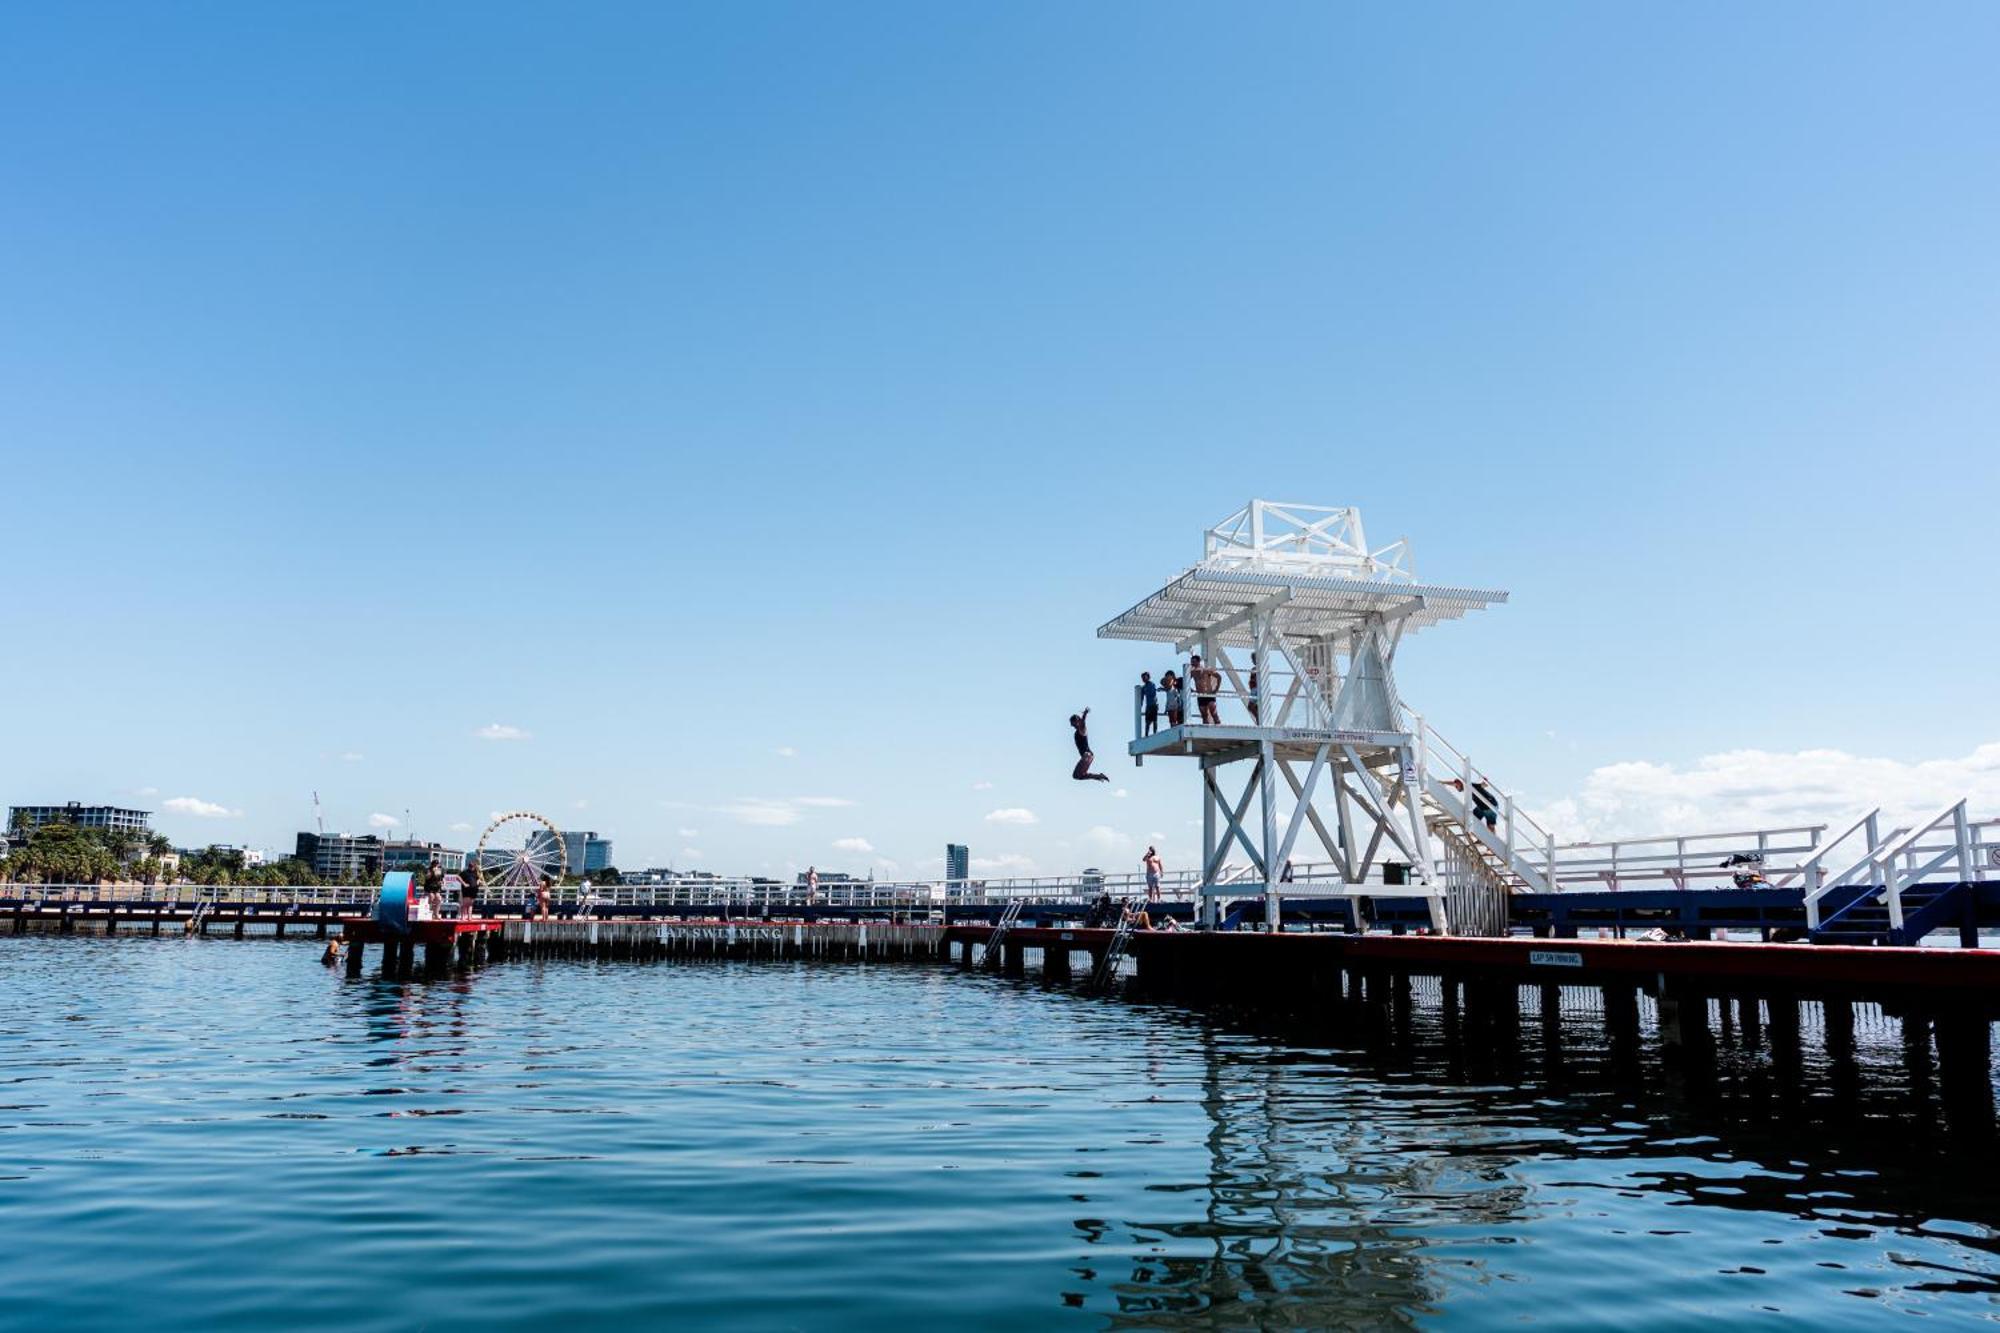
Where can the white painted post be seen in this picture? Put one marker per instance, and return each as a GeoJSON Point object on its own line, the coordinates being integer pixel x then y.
{"type": "Point", "coordinates": [1268, 792]}
{"type": "Point", "coordinates": [1206, 887]}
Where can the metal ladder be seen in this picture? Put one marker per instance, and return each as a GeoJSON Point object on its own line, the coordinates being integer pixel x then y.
{"type": "Point", "coordinates": [1114, 952]}
{"type": "Point", "coordinates": [1008, 916]}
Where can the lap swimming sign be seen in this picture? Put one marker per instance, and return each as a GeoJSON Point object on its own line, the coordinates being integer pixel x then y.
{"type": "Point", "coordinates": [1554, 958]}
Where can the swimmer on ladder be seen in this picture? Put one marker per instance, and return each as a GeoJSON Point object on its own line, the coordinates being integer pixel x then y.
{"type": "Point", "coordinates": [335, 949]}
{"type": "Point", "coordinates": [1079, 723]}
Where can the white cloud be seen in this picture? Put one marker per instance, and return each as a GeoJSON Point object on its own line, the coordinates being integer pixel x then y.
{"type": "Point", "coordinates": [765, 811]}
{"type": "Point", "coordinates": [461, 827]}
{"type": "Point", "coordinates": [200, 809]}
{"type": "Point", "coordinates": [1011, 863]}
{"type": "Point", "coordinates": [1012, 815]}
{"type": "Point", "coordinates": [689, 832]}
{"type": "Point", "coordinates": [352, 756]}
{"type": "Point", "coordinates": [1107, 839]}
{"type": "Point", "coordinates": [583, 805]}
{"type": "Point", "coordinates": [761, 812]}
{"type": "Point", "coordinates": [1121, 792]}
{"type": "Point", "coordinates": [691, 853]}
{"type": "Point", "coordinates": [853, 845]}
{"type": "Point", "coordinates": [785, 752]}
{"type": "Point", "coordinates": [500, 731]}
{"type": "Point", "coordinates": [380, 820]}
{"type": "Point", "coordinates": [1747, 789]}
{"type": "Point", "coordinates": [148, 791]}
{"type": "Point", "coordinates": [982, 786]}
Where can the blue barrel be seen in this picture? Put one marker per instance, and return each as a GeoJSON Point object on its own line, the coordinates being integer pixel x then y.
{"type": "Point", "coordinates": [392, 905]}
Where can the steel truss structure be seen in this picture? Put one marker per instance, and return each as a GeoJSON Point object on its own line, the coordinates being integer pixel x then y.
{"type": "Point", "coordinates": [1326, 744]}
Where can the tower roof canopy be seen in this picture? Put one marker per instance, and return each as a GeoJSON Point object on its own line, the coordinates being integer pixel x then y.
{"type": "Point", "coordinates": [1309, 567]}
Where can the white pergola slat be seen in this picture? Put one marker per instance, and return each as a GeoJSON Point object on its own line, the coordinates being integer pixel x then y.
{"type": "Point", "coordinates": [1203, 600]}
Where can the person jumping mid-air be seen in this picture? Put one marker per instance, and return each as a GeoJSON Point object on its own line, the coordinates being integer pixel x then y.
{"type": "Point", "coordinates": [1078, 723]}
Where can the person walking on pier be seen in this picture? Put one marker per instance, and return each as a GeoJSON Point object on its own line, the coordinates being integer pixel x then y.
{"type": "Point", "coordinates": [1149, 699]}
{"type": "Point", "coordinates": [1154, 867]}
{"type": "Point", "coordinates": [1207, 684]}
{"type": "Point", "coordinates": [1078, 723]}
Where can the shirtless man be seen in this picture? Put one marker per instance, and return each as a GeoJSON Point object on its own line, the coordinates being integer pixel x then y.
{"type": "Point", "coordinates": [1078, 722]}
{"type": "Point", "coordinates": [1207, 684]}
{"type": "Point", "coordinates": [1154, 867]}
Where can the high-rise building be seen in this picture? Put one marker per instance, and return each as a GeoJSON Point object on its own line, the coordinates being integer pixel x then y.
{"type": "Point", "coordinates": [416, 856]}
{"type": "Point", "coordinates": [341, 857]}
{"type": "Point", "coordinates": [31, 817]}
{"type": "Point", "coordinates": [957, 861]}
{"type": "Point", "coordinates": [584, 853]}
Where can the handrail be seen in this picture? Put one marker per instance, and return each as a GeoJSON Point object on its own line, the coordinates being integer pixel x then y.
{"type": "Point", "coordinates": [1514, 845]}
{"type": "Point", "coordinates": [1815, 883]}
{"type": "Point", "coordinates": [1909, 839]}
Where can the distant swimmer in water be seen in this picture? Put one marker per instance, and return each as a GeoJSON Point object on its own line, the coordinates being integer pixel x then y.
{"type": "Point", "coordinates": [1078, 723]}
{"type": "Point", "coordinates": [332, 956]}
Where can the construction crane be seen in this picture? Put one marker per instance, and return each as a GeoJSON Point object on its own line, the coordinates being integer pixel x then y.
{"type": "Point", "coordinates": [318, 818]}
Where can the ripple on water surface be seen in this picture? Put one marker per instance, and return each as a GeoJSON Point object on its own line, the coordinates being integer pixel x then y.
{"type": "Point", "coordinates": [202, 1134]}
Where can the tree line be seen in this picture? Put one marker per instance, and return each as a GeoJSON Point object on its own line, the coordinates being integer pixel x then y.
{"type": "Point", "coordinates": [63, 853]}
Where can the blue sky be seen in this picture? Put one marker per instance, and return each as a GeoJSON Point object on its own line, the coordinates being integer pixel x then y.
{"type": "Point", "coordinates": [760, 404]}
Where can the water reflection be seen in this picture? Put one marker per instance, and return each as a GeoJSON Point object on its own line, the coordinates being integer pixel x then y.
{"type": "Point", "coordinates": [1324, 1208]}
{"type": "Point", "coordinates": [763, 1145]}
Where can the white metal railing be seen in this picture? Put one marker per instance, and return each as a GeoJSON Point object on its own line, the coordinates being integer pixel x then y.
{"type": "Point", "coordinates": [1294, 701]}
{"type": "Point", "coordinates": [1682, 860]}
{"type": "Point", "coordinates": [1895, 860]}
{"type": "Point", "coordinates": [1528, 849]}
{"type": "Point", "coordinates": [1903, 857]}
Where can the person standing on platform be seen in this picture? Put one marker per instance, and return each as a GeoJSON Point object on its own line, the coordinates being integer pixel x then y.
{"type": "Point", "coordinates": [434, 887]}
{"type": "Point", "coordinates": [1207, 684]}
{"type": "Point", "coordinates": [543, 892]}
{"type": "Point", "coordinates": [1149, 701]}
{"type": "Point", "coordinates": [1251, 702]}
{"type": "Point", "coordinates": [812, 886]}
{"type": "Point", "coordinates": [1079, 723]}
{"type": "Point", "coordinates": [468, 896]}
{"type": "Point", "coordinates": [1154, 868]}
{"type": "Point", "coordinates": [1176, 692]}
{"type": "Point", "coordinates": [1285, 875]}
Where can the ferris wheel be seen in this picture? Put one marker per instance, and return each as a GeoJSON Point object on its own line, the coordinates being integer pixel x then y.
{"type": "Point", "coordinates": [518, 849]}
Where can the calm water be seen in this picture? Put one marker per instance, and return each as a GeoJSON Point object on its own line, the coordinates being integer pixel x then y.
{"type": "Point", "coordinates": [222, 1134]}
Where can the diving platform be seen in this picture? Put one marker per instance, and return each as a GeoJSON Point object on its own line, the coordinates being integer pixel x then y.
{"type": "Point", "coordinates": [1290, 625]}
{"type": "Point", "coordinates": [1227, 742]}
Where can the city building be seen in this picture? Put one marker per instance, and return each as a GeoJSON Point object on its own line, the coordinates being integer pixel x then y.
{"type": "Point", "coordinates": [242, 856]}
{"type": "Point", "coordinates": [31, 817]}
{"type": "Point", "coordinates": [584, 853]}
{"type": "Point", "coordinates": [412, 855]}
{"type": "Point", "coordinates": [341, 857]}
{"type": "Point", "coordinates": [957, 861]}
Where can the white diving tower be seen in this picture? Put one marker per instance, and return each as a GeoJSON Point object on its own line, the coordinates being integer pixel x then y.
{"type": "Point", "coordinates": [1302, 620]}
